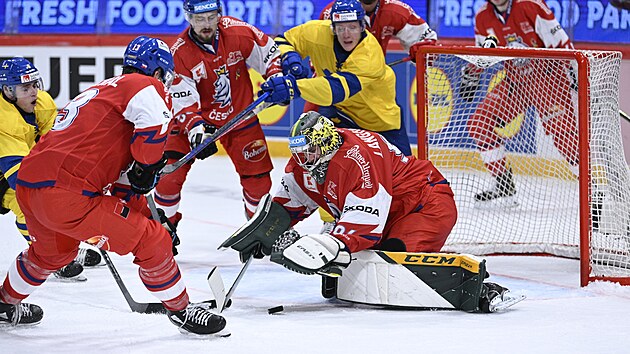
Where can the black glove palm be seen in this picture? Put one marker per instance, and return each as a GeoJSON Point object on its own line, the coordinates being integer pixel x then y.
{"type": "Point", "coordinates": [143, 178]}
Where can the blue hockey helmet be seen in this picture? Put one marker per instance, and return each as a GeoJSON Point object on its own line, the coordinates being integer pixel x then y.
{"type": "Point", "coordinates": [147, 54]}
{"type": "Point", "coordinates": [347, 11]}
{"type": "Point", "coordinates": [201, 6]}
{"type": "Point", "coordinates": [17, 71]}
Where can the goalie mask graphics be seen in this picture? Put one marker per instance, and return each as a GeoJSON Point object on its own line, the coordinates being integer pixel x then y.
{"type": "Point", "coordinates": [313, 141]}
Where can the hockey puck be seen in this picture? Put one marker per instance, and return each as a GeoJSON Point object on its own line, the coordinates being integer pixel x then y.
{"type": "Point", "coordinates": [276, 309]}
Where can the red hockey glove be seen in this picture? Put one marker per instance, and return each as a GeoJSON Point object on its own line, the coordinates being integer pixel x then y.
{"type": "Point", "coordinates": [413, 50]}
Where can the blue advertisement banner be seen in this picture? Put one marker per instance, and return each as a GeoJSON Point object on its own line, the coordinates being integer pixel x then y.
{"type": "Point", "coordinates": [584, 20]}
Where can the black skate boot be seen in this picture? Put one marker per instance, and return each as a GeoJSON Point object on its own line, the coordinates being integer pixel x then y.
{"type": "Point", "coordinates": [88, 257]}
{"type": "Point", "coordinates": [70, 273]}
{"type": "Point", "coordinates": [197, 319]}
{"type": "Point", "coordinates": [504, 187]}
{"type": "Point", "coordinates": [329, 287]}
{"type": "Point", "coordinates": [596, 209]}
{"type": "Point", "coordinates": [20, 314]}
{"type": "Point", "coordinates": [495, 298]}
{"type": "Point", "coordinates": [491, 294]}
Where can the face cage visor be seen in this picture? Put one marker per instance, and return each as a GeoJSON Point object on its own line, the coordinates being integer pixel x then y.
{"type": "Point", "coordinates": [307, 156]}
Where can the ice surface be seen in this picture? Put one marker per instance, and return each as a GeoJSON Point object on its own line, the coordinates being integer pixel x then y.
{"type": "Point", "coordinates": [557, 317]}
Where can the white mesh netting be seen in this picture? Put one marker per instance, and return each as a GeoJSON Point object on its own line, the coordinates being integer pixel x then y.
{"type": "Point", "coordinates": [504, 131]}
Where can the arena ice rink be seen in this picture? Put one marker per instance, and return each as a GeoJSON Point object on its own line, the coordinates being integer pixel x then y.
{"type": "Point", "coordinates": [557, 317]}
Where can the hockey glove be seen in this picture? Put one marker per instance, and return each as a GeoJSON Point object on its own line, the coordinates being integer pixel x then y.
{"type": "Point", "coordinates": [490, 42]}
{"type": "Point", "coordinates": [292, 64]}
{"type": "Point", "coordinates": [199, 133]}
{"type": "Point", "coordinates": [259, 234]}
{"type": "Point", "coordinates": [171, 228]}
{"type": "Point", "coordinates": [143, 178]}
{"type": "Point", "coordinates": [283, 89]}
{"type": "Point", "coordinates": [469, 83]}
{"type": "Point", "coordinates": [315, 253]}
{"type": "Point", "coordinates": [413, 50]}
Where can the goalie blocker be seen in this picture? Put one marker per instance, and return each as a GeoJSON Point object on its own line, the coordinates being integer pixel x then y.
{"type": "Point", "coordinates": [391, 279]}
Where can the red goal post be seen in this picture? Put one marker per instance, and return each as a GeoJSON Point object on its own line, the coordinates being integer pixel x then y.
{"type": "Point", "coordinates": [550, 117]}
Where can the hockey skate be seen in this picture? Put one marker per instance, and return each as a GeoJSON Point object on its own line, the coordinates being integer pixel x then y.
{"type": "Point", "coordinates": [88, 257]}
{"type": "Point", "coordinates": [503, 189]}
{"type": "Point", "coordinates": [70, 273]}
{"type": "Point", "coordinates": [197, 319]}
{"type": "Point", "coordinates": [327, 228]}
{"type": "Point", "coordinates": [495, 298]}
{"type": "Point", "coordinates": [20, 314]}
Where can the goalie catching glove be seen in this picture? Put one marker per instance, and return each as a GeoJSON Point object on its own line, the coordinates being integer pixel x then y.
{"type": "Point", "coordinates": [311, 254]}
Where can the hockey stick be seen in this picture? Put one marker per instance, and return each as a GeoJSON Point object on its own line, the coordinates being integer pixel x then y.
{"type": "Point", "coordinates": [139, 307]}
{"type": "Point", "coordinates": [228, 296]}
{"type": "Point", "coordinates": [399, 61]}
{"type": "Point", "coordinates": [624, 115]}
{"type": "Point", "coordinates": [156, 216]}
{"type": "Point", "coordinates": [216, 285]}
{"type": "Point", "coordinates": [249, 112]}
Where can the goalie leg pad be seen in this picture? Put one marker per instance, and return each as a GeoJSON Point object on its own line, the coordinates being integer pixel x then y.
{"type": "Point", "coordinates": [413, 280]}
{"type": "Point", "coordinates": [267, 224]}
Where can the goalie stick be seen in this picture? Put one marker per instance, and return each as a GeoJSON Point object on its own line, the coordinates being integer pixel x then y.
{"type": "Point", "coordinates": [139, 307]}
{"type": "Point", "coordinates": [223, 300]}
{"type": "Point", "coordinates": [250, 111]}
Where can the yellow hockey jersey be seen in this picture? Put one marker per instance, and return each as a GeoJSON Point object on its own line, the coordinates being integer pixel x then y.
{"type": "Point", "coordinates": [17, 137]}
{"type": "Point", "coordinates": [362, 87]}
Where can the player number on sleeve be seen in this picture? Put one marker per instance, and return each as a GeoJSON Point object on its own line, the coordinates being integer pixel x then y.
{"type": "Point", "coordinates": [67, 114]}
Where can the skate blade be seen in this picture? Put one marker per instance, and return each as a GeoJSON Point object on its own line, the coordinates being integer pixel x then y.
{"type": "Point", "coordinates": [76, 279]}
{"type": "Point", "coordinates": [7, 325]}
{"type": "Point", "coordinates": [499, 203]}
{"type": "Point", "coordinates": [508, 301]}
{"type": "Point", "coordinates": [224, 333]}
{"type": "Point", "coordinates": [98, 265]}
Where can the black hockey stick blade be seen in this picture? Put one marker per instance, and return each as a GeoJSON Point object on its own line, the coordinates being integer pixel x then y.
{"type": "Point", "coordinates": [139, 307]}
{"type": "Point", "coordinates": [249, 112]}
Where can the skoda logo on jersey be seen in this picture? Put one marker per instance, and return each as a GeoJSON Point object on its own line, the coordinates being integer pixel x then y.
{"type": "Point", "coordinates": [205, 7]}
{"type": "Point", "coordinates": [344, 17]}
{"type": "Point", "coordinates": [363, 208]}
{"type": "Point", "coordinates": [297, 141]}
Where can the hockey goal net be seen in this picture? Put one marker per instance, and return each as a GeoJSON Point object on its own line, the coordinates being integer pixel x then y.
{"type": "Point", "coordinates": [530, 141]}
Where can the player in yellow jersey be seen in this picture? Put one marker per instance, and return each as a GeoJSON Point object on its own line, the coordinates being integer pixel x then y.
{"type": "Point", "coordinates": [353, 85]}
{"type": "Point", "coordinates": [26, 113]}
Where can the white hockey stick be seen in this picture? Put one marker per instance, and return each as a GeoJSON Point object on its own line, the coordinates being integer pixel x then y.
{"type": "Point", "coordinates": [215, 282]}
{"type": "Point", "coordinates": [216, 286]}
